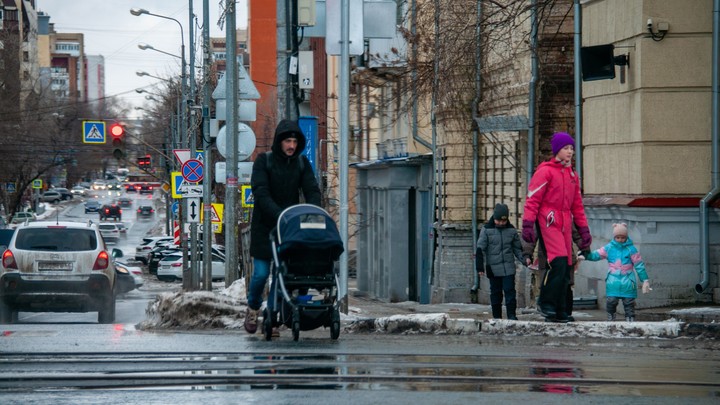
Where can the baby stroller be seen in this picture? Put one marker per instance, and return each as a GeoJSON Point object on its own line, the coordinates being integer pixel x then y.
{"type": "Point", "coordinates": [305, 244]}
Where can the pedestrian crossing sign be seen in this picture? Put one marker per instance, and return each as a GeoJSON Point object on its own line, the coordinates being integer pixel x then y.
{"type": "Point", "coordinates": [94, 132]}
{"type": "Point", "coordinates": [248, 201]}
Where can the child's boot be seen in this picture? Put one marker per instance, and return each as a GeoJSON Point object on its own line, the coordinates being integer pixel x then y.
{"type": "Point", "coordinates": [610, 317]}
{"type": "Point", "coordinates": [630, 318]}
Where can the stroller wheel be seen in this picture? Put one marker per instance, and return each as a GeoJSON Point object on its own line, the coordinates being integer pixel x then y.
{"type": "Point", "coordinates": [267, 324]}
{"type": "Point", "coordinates": [335, 326]}
{"type": "Point", "coordinates": [296, 331]}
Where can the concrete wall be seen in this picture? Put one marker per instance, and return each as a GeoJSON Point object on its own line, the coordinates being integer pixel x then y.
{"type": "Point", "coordinates": [667, 239]}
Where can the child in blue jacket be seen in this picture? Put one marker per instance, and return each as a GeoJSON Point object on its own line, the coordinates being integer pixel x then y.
{"type": "Point", "coordinates": [623, 262]}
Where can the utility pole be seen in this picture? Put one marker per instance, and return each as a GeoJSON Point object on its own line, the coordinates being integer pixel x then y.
{"type": "Point", "coordinates": [207, 183]}
{"type": "Point", "coordinates": [231, 126]}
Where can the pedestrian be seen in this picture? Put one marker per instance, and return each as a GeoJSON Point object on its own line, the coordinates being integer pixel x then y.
{"type": "Point", "coordinates": [542, 265]}
{"type": "Point", "coordinates": [621, 281]}
{"type": "Point", "coordinates": [278, 179]}
{"type": "Point", "coordinates": [496, 250]}
{"type": "Point", "coordinates": [553, 205]}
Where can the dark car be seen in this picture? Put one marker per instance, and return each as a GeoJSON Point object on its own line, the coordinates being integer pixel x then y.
{"type": "Point", "coordinates": [65, 193]}
{"type": "Point", "coordinates": [146, 189]}
{"type": "Point", "coordinates": [145, 211]}
{"type": "Point", "coordinates": [124, 201]}
{"type": "Point", "coordinates": [158, 254]}
{"type": "Point", "coordinates": [130, 188]}
{"type": "Point", "coordinates": [92, 206]}
{"type": "Point", "coordinates": [110, 211]}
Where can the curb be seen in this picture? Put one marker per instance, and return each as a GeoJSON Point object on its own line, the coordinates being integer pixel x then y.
{"type": "Point", "coordinates": [439, 323]}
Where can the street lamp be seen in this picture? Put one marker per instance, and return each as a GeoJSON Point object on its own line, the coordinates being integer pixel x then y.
{"type": "Point", "coordinates": [145, 47]}
{"type": "Point", "coordinates": [140, 11]}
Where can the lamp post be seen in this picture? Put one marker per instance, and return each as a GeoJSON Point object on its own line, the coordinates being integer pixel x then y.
{"type": "Point", "coordinates": [188, 276]}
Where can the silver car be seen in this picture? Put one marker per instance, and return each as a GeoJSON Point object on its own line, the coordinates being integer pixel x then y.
{"type": "Point", "coordinates": [57, 267]}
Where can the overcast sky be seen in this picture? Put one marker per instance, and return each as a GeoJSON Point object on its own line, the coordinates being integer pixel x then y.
{"type": "Point", "coordinates": [111, 31]}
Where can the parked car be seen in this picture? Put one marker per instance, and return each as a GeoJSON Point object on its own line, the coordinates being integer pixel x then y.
{"type": "Point", "coordinates": [5, 236]}
{"type": "Point", "coordinates": [78, 190]}
{"type": "Point", "coordinates": [170, 268]}
{"type": "Point", "coordinates": [148, 243]}
{"type": "Point", "coordinates": [109, 232]}
{"type": "Point", "coordinates": [51, 196]}
{"type": "Point", "coordinates": [110, 211]}
{"type": "Point", "coordinates": [92, 206]}
{"type": "Point", "coordinates": [134, 271]}
{"type": "Point", "coordinates": [65, 193]}
{"type": "Point", "coordinates": [159, 253]}
{"type": "Point", "coordinates": [57, 266]}
{"type": "Point", "coordinates": [23, 216]}
{"type": "Point", "coordinates": [124, 201]}
{"type": "Point", "coordinates": [145, 211]}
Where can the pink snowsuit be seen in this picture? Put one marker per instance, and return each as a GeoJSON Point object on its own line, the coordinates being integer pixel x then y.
{"type": "Point", "coordinates": [554, 200]}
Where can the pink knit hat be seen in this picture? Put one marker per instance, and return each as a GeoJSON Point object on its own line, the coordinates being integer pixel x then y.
{"type": "Point", "coordinates": [561, 140]}
{"type": "Point", "coordinates": [620, 229]}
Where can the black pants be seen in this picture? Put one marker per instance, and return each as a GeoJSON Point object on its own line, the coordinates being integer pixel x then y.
{"type": "Point", "coordinates": [500, 285]}
{"type": "Point", "coordinates": [553, 290]}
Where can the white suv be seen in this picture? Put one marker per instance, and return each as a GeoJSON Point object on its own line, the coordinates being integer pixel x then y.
{"type": "Point", "coordinates": [57, 267]}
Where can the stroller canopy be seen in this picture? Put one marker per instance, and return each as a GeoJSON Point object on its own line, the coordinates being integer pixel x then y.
{"type": "Point", "coordinates": [306, 226]}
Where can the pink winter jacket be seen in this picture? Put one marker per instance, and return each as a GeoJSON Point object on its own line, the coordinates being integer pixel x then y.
{"type": "Point", "coordinates": [554, 200]}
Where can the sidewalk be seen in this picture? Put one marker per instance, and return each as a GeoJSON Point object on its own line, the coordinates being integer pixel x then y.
{"type": "Point", "coordinates": [366, 313]}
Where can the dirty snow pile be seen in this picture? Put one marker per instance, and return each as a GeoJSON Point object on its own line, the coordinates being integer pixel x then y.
{"type": "Point", "coordinates": [224, 309]}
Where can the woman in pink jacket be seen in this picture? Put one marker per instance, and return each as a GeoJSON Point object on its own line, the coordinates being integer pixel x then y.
{"type": "Point", "coordinates": [554, 202]}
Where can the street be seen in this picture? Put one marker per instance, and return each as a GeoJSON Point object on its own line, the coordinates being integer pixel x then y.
{"type": "Point", "coordinates": [70, 358]}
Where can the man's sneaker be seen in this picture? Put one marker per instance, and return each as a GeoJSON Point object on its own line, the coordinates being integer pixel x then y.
{"type": "Point", "coordinates": [571, 318]}
{"type": "Point", "coordinates": [251, 320]}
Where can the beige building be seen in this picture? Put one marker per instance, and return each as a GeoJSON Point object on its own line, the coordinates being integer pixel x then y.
{"type": "Point", "coordinates": [644, 139]}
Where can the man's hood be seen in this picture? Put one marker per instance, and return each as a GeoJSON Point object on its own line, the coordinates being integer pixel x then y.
{"type": "Point", "coordinates": [284, 130]}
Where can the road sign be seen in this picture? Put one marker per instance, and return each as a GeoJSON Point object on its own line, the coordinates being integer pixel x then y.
{"type": "Point", "coordinates": [93, 131]}
{"type": "Point", "coordinates": [191, 190]}
{"type": "Point", "coordinates": [10, 187]}
{"type": "Point", "coordinates": [193, 210]}
{"type": "Point", "coordinates": [192, 171]}
{"type": "Point", "coordinates": [177, 181]}
{"type": "Point", "coordinates": [216, 212]}
{"type": "Point", "coordinates": [248, 200]}
{"type": "Point", "coordinates": [183, 155]}
{"type": "Point", "coordinates": [37, 183]}
{"type": "Point", "coordinates": [174, 208]}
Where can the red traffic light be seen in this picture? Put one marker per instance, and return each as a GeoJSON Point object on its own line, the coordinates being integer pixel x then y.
{"type": "Point", "coordinates": [117, 130]}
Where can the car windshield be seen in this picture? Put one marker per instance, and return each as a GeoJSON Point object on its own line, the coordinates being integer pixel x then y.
{"type": "Point", "coordinates": [59, 239]}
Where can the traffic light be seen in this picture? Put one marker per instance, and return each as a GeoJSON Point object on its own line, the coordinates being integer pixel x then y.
{"type": "Point", "coordinates": [117, 131]}
{"type": "Point", "coordinates": [144, 162]}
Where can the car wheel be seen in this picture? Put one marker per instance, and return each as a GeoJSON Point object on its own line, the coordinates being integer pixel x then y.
{"type": "Point", "coordinates": [56, 201]}
{"type": "Point", "coordinates": [106, 314]}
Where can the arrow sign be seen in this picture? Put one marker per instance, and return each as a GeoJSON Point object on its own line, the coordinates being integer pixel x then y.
{"type": "Point", "coordinates": [193, 215]}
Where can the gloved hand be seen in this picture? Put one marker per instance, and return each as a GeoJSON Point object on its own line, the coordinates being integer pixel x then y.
{"type": "Point", "coordinates": [580, 256]}
{"type": "Point", "coordinates": [528, 231]}
{"type": "Point", "coordinates": [585, 237]}
{"type": "Point", "coordinates": [646, 287]}
{"type": "Point", "coordinates": [528, 259]}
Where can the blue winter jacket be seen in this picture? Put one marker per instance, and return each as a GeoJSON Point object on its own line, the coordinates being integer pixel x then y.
{"type": "Point", "coordinates": [622, 259]}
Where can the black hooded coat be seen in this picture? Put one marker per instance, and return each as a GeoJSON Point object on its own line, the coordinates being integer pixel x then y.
{"type": "Point", "coordinates": [280, 187]}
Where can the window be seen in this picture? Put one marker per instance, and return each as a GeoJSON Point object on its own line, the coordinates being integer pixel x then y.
{"type": "Point", "coordinates": [58, 239]}
{"type": "Point", "coordinates": [26, 56]}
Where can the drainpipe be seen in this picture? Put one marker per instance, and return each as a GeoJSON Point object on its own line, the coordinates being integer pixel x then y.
{"type": "Point", "coordinates": [532, 90]}
{"type": "Point", "coordinates": [715, 191]}
{"type": "Point", "coordinates": [476, 130]}
{"type": "Point", "coordinates": [578, 89]}
{"type": "Point", "coordinates": [433, 122]}
{"type": "Point", "coordinates": [413, 32]}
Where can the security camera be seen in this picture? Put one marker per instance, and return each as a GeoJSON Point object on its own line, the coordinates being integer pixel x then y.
{"type": "Point", "coordinates": [649, 23]}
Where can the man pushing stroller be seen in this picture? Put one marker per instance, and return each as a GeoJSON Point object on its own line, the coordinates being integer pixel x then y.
{"type": "Point", "coordinates": [278, 178]}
